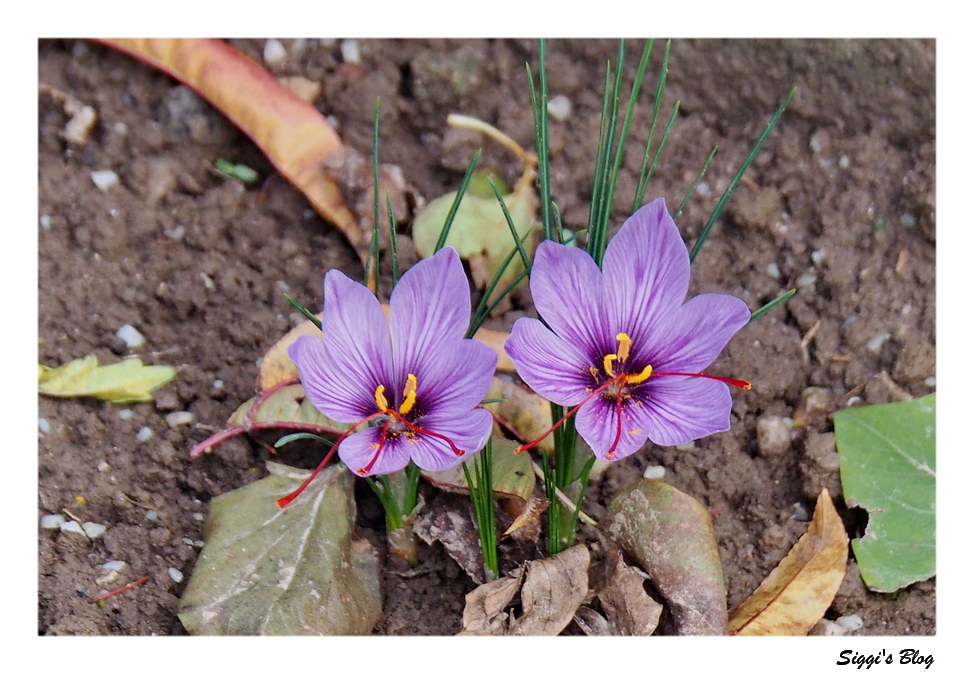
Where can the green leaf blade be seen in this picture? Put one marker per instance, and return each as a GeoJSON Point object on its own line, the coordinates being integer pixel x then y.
{"type": "Point", "coordinates": [887, 463]}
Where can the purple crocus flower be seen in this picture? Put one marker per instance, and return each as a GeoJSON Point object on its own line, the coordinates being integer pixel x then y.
{"type": "Point", "coordinates": [414, 374]}
{"type": "Point", "coordinates": [623, 346]}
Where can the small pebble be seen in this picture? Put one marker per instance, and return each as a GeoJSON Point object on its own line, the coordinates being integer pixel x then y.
{"type": "Point", "coordinates": [351, 51]}
{"type": "Point", "coordinates": [200, 543]}
{"type": "Point", "coordinates": [93, 529]}
{"type": "Point", "coordinates": [72, 527]}
{"type": "Point", "coordinates": [152, 515]}
{"type": "Point", "coordinates": [654, 472]}
{"type": "Point", "coordinates": [179, 419]}
{"type": "Point", "coordinates": [773, 270]}
{"type": "Point", "coordinates": [844, 161]}
{"type": "Point", "coordinates": [274, 52]}
{"type": "Point", "coordinates": [114, 565]}
{"type": "Point", "coordinates": [198, 517]}
{"type": "Point", "coordinates": [46, 221]}
{"type": "Point", "coordinates": [144, 434]}
{"type": "Point", "coordinates": [175, 574]}
{"type": "Point", "coordinates": [817, 257]}
{"type": "Point", "coordinates": [908, 220]}
{"type": "Point", "coordinates": [560, 107]}
{"type": "Point", "coordinates": [43, 425]}
{"type": "Point", "coordinates": [176, 233]}
{"type": "Point", "coordinates": [703, 189]}
{"type": "Point", "coordinates": [207, 281]}
{"type": "Point", "coordinates": [688, 447]}
{"type": "Point", "coordinates": [52, 521]}
{"type": "Point", "coordinates": [774, 435]}
{"type": "Point", "coordinates": [930, 381]}
{"type": "Point", "coordinates": [103, 467]}
{"type": "Point", "coordinates": [876, 343]}
{"type": "Point", "coordinates": [800, 512]}
{"type": "Point", "coordinates": [133, 338]}
{"type": "Point", "coordinates": [827, 628]}
{"type": "Point", "coordinates": [850, 623]}
{"type": "Point", "coordinates": [104, 180]}
{"type": "Point", "coordinates": [125, 414]}
{"type": "Point", "coordinates": [854, 400]}
{"type": "Point", "coordinates": [187, 541]}
{"type": "Point", "coordinates": [218, 384]}
{"type": "Point", "coordinates": [806, 279]}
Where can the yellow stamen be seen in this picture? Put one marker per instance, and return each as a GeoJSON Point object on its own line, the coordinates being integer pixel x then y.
{"type": "Point", "coordinates": [410, 392]}
{"type": "Point", "coordinates": [380, 398]}
{"type": "Point", "coordinates": [625, 341]}
{"type": "Point", "coordinates": [641, 377]}
{"type": "Point", "coordinates": [607, 364]}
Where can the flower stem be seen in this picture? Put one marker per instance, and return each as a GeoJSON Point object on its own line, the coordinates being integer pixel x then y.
{"type": "Point", "coordinates": [482, 500]}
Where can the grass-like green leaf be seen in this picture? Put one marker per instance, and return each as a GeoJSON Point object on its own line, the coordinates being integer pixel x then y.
{"type": "Point", "coordinates": [887, 462]}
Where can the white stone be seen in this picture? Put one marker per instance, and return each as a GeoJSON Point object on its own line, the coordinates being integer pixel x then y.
{"type": "Point", "coordinates": [351, 51]}
{"type": "Point", "coordinates": [560, 107]}
{"type": "Point", "coordinates": [876, 343]}
{"type": "Point", "coordinates": [218, 384]}
{"type": "Point", "coordinates": [773, 270]}
{"type": "Point", "coordinates": [72, 527]}
{"type": "Point", "coordinates": [930, 381]}
{"type": "Point", "coordinates": [104, 180]}
{"type": "Point", "coordinates": [198, 517]}
{"type": "Point", "coordinates": [654, 472]}
{"type": "Point", "coordinates": [144, 434]}
{"type": "Point", "coordinates": [176, 233]}
{"type": "Point", "coordinates": [125, 414]}
{"type": "Point", "coordinates": [93, 529]}
{"type": "Point", "coordinates": [43, 425]}
{"type": "Point", "coordinates": [103, 467]}
{"type": "Point", "coordinates": [114, 565]}
{"type": "Point", "coordinates": [774, 435]}
{"type": "Point", "coordinates": [46, 221]}
{"type": "Point", "coordinates": [151, 515]}
{"type": "Point", "coordinates": [179, 419]}
{"type": "Point", "coordinates": [207, 281]}
{"type": "Point", "coordinates": [133, 338]}
{"type": "Point", "coordinates": [817, 257]}
{"type": "Point", "coordinates": [806, 279]}
{"type": "Point", "coordinates": [850, 623]}
{"type": "Point", "coordinates": [274, 52]}
{"type": "Point", "coordinates": [52, 521]}
{"type": "Point", "coordinates": [844, 161]}
{"type": "Point", "coordinates": [175, 574]}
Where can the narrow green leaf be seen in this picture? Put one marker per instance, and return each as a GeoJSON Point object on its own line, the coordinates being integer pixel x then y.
{"type": "Point", "coordinates": [740, 174]}
{"type": "Point", "coordinates": [448, 222]}
{"type": "Point", "coordinates": [784, 297]}
{"type": "Point", "coordinates": [696, 181]}
{"type": "Point", "coordinates": [305, 311]}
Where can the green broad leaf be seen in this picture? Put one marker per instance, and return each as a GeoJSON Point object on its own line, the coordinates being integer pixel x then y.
{"type": "Point", "coordinates": [480, 233]}
{"type": "Point", "coordinates": [672, 537]}
{"type": "Point", "coordinates": [887, 463]}
{"type": "Point", "coordinates": [296, 570]}
{"type": "Point", "coordinates": [128, 381]}
{"type": "Point", "coordinates": [512, 473]}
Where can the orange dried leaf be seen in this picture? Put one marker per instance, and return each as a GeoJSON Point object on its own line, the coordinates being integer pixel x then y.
{"type": "Point", "coordinates": [797, 593]}
{"type": "Point", "coordinates": [293, 135]}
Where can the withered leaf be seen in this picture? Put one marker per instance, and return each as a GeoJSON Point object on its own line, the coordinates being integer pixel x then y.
{"type": "Point", "coordinates": [801, 588]}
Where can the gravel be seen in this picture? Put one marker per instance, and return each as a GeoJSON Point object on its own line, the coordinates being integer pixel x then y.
{"type": "Point", "coordinates": [54, 521]}
{"type": "Point", "coordinates": [104, 180]}
{"type": "Point", "coordinates": [133, 338]}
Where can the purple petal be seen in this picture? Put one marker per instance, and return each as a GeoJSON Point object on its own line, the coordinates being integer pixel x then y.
{"type": "Point", "coordinates": [693, 335]}
{"type": "Point", "coordinates": [458, 380]}
{"type": "Point", "coordinates": [358, 450]}
{"type": "Point", "coordinates": [468, 433]}
{"type": "Point", "coordinates": [551, 366]}
{"type": "Point", "coordinates": [341, 373]}
{"type": "Point", "coordinates": [429, 309]}
{"type": "Point", "coordinates": [647, 272]}
{"type": "Point", "coordinates": [598, 423]}
{"type": "Point", "coordinates": [681, 409]}
{"type": "Point", "coordinates": [567, 288]}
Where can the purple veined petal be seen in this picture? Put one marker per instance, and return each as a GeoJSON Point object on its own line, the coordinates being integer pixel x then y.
{"type": "Point", "coordinates": [647, 272]}
{"type": "Point", "coordinates": [692, 336]}
{"type": "Point", "coordinates": [552, 367]}
{"type": "Point", "coordinates": [459, 380]}
{"type": "Point", "coordinates": [358, 355]}
{"type": "Point", "coordinates": [568, 292]}
{"type": "Point", "coordinates": [598, 423]}
{"type": "Point", "coordinates": [429, 308]}
{"type": "Point", "coordinates": [358, 450]}
{"type": "Point", "coordinates": [678, 410]}
{"type": "Point", "coordinates": [468, 433]}
{"type": "Point", "coordinates": [336, 392]}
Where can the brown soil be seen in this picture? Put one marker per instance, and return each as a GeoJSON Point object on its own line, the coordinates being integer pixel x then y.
{"type": "Point", "coordinates": [840, 202]}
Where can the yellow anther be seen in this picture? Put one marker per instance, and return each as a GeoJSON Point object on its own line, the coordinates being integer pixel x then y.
{"type": "Point", "coordinates": [410, 392]}
{"type": "Point", "coordinates": [380, 398]}
{"type": "Point", "coordinates": [641, 377]}
{"type": "Point", "coordinates": [625, 341]}
{"type": "Point", "coordinates": [607, 364]}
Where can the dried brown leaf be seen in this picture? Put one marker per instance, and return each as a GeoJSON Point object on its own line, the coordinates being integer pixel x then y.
{"type": "Point", "coordinates": [630, 611]}
{"type": "Point", "coordinates": [797, 593]}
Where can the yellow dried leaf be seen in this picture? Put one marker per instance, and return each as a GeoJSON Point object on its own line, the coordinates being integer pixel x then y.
{"type": "Point", "coordinates": [797, 593]}
{"type": "Point", "coordinates": [128, 381]}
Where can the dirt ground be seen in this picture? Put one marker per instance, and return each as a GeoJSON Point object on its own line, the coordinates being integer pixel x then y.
{"type": "Point", "coordinates": [840, 204]}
